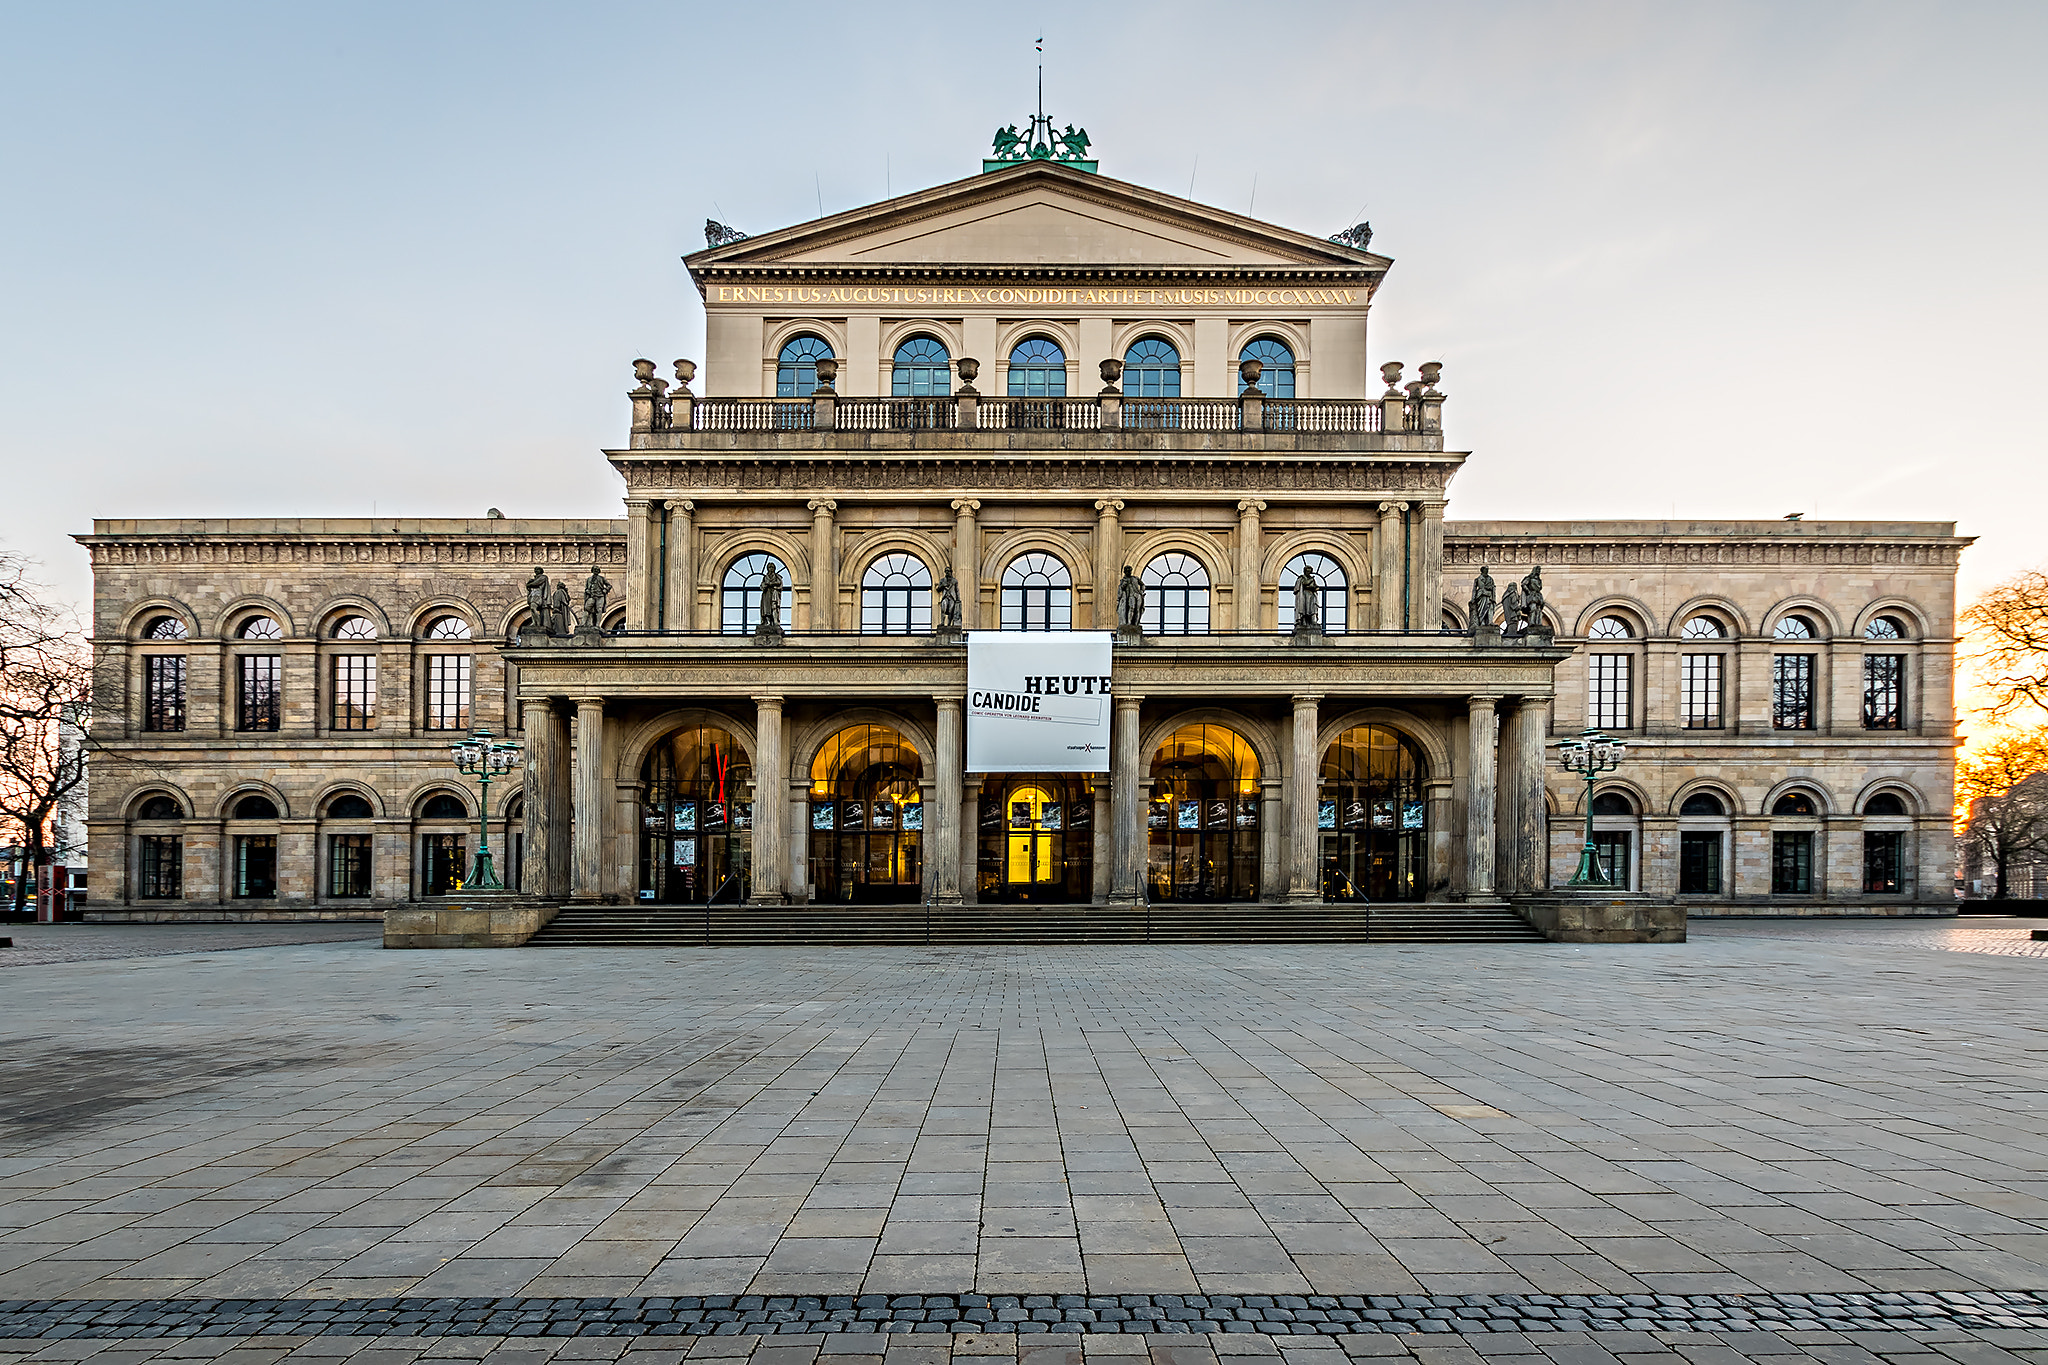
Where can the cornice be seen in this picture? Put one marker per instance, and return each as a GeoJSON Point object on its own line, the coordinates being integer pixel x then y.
{"type": "Point", "coordinates": [1573, 552]}
{"type": "Point", "coordinates": [1047, 474]}
{"type": "Point", "coordinates": [1366, 276]}
{"type": "Point", "coordinates": [587, 548]}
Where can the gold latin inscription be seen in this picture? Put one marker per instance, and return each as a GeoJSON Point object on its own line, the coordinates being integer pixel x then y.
{"type": "Point", "coordinates": [1125, 298]}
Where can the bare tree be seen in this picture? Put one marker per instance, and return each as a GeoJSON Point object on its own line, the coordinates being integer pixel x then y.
{"type": "Point", "coordinates": [2002, 794]}
{"type": "Point", "coordinates": [45, 713]}
{"type": "Point", "coordinates": [2010, 628]}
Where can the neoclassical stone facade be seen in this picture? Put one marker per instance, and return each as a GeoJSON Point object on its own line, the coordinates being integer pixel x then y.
{"type": "Point", "coordinates": [1028, 380]}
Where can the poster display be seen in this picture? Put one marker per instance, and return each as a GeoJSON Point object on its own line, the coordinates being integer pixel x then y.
{"type": "Point", "coordinates": [1038, 702]}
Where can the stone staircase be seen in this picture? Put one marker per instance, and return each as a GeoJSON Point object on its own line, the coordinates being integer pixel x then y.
{"type": "Point", "coordinates": [691, 926]}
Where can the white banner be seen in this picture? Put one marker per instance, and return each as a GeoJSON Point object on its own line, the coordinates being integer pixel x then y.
{"type": "Point", "coordinates": [1038, 701]}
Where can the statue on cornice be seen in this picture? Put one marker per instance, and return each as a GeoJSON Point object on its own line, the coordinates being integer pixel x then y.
{"type": "Point", "coordinates": [1308, 602]}
{"type": "Point", "coordinates": [771, 600]}
{"type": "Point", "coordinates": [561, 616]}
{"type": "Point", "coordinates": [537, 601]}
{"type": "Point", "coordinates": [597, 590]}
{"type": "Point", "coordinates": [1481, 612]}
{"type": "Point", "coordinates": [1533, 603]}
{"type": "Point", "coordinates": [1130, 602]}
{"type": "Point", "coordinates": [1009, 145]}
{"type": "Point", "coordinates": [1074, 144]}
{"type": "Point", "coordinates": [1511, 609]}
{"type": "Point", "coordinates": [949, 601]}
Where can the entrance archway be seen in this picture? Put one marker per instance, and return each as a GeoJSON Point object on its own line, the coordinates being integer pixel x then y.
{"type": "Point", "coordinates": [696, 818]}
{"type": "Point", "coordinates": [1035, 838]}
{"type": "Point", "coordinates": [1371, 821]}
{"type": "Point", "coordinates": [1202, 827]}
{"type": "Point", "coordinates": [866, 818]}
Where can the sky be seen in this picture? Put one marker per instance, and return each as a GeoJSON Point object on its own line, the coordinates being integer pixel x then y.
{"type": "Point", "coordinates": [1694, 261]}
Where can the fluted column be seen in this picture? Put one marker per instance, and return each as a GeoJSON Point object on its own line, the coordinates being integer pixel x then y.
{"type": "Point", "coordinates": [640, 563]}
{"type": "Point", "coordinates": [770, 809]}
{"type": "Point", "coordinates": [592, 801]}
{"type": "Point", "coordinates": [967, 560]}
{"type": "Point", "coordinates": [1387, 586]}
{"type": "Point", "coordinates": [943, 822]}
{"type": "Point", "coordinates": [545, 801]}
{"type": "Point", "coordinates": [1250, 549]}
{"type": "Point", "coordinates": [1479, 797]}
{"type": "Point", "coordinates": [1126, 820]}
{"type": "Point", "coordinates": [1429, 584]}
{"type": "Point", "coordinates": [1109, 546]}
{"type": "Point", "coordinates": [1532, 815]}
{"type": "Point", "coordinates": [679, 600]}
{"type": "Point", "coordinates": [824, 565]}
{"type": "Point", "coordinates": [1304, 879]}
{"type": "Point", "coordinates": [967, 854]}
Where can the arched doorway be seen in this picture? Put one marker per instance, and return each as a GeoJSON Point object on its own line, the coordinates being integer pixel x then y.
{"type": "Point", "coordinates": [1035, 838]}
{"type": "Point", "coordinates": [1202, 828]}
{"type": "Point", "coordinates": [696, 818]}
{"type": "Point", "coordinates": [867, 818]}
{"type": "Point", "coordinates": [1371, 821]}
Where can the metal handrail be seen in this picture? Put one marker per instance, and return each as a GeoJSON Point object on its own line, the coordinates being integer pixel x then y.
{"type": "Point", "coordinates": [716, 891]}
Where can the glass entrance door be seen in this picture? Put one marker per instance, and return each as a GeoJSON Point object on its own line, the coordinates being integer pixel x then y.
{"type": "Point", "coordinates": [1371, 820]}
{"type": "Point", "coordinates": [867, 819]}
{"type": "Point", "coordinates": [696, 820]}
{"type": "Point", "coordinates": [1036, 838]}
{"type": "Point", "coordinates": [1202, 826]}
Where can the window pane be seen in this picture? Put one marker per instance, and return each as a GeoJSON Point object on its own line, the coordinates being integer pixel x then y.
{"type": "Point", "coordinates": [1884, 691]}
{"type": "Point", "coordinates": [1333, 592]}
{"type": "Point", "coordinates": [1611, 847]}
{"type": "Point", "coordinates": [1700, 682]}
{"type": "Point", "coordinates": [1176, 595]}
{"type": "Point", "coordinates": [1277, 380]}
{"type": "Point", "coordinates": [1152, 370]}
{"type": "Point", "coordinates": [1884, 861]}
{"type": "Point", "coordinates": [1792, 692]}
{"type": "Point", "coordinates": [441, 864]}
{"type": "Point", "coordinates": [162, 867]}
{"type": "Point", "coordinates": [255, 866]}
{"type": "Point", "coordinates": [1038, 369]}
{"type": "Point", "coordinates": [448, 691]}
{"type": "Point", "coordinates": [1791, 862]}
{"type": "Point", "coordinates": [163, 692]}
{"type": "Point", "coordinates": [922, 370]}
{"type": "Point", "coordinates": [1037, 594]}
{"type": "Point", "coordinates": [740, 593]}
{"type": "Point", "coordinates": [353, 690]}
{"type": "Point", "coordinates": [796, 368]}
{"type": "Point", "coordinates": [1699, 863]}
{"type": "Point", "coordinates": [348, 866]}
{"type": "Point", "coordinates": [1611, 691]}
{"type": "Point", "coordinates": [261, 697]}
{"type": "Point", "coordinates": [896, 597]}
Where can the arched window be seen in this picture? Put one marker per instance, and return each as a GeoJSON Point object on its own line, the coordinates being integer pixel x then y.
{"type": "Point", "coordinates": [161, 808]}
{"type": "Point", "coordinates": [1176, 595]}
{"type": "Point", "coordinates": [922, 370]}
{"type": "Point", "coordinates": [355, 628]}
{"type": "Point", "coordinates": [1038, 369]}
{"type": "Point", "coordinates": [349, 806]}
{"type": "Point", "coordinates": [896, 597]}
{"type": "Point", "coordinates": [1330, 580]}
{"type": "Point", "coordinates": [1794, 803]}
{"type": "Point", "coordinates": [1202, 826]}
{"type": "Point", "coordinates": [1792, 628]}
{"type": "Point", "coordinates": [448, 628]}
{"type": "Point", "coordinates": [1038, 594]}
{"type": "Point", "coordinates": [1702, 803]}
{"type": "Point", "coordinates": [1610, 628]}
{"type": "Point", "coordinates": [796, 368]}
{"type": "Point", "coordinates": [1277, 379]}
{"type": "Point", "coordinates": [1884, 628]}
{"type": "Point", "coordinates": [1884, 803]}
{"type": "Point", "coordinates": [1152, 369]}
{"type": "Point", "coordinates": [696, 830]}
{"type": "Point", "coordinates": [165, 628]}
{"type": "Point", "coordinates": [1702, 628]}
{"type": "Point", "coordinates": [444, 806]}
{"type": "Point", "coordinates": [254, 808]}
{"type": "Point", "coordinates": [867, 817]}
{"type": "Point", "coordinates": [740, 594]}
{"type": "Point", "coordinates": [259, 628]}
{"type": "Point", "coordinates": [1372, 828]}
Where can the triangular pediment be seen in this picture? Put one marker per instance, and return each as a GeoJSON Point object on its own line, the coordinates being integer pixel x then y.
{"type": "Point", "coordinates": [1039, 214]}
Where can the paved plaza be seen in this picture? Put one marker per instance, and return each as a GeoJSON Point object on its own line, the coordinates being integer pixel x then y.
{"type": "Point", "coordinates": [1788, 1138]}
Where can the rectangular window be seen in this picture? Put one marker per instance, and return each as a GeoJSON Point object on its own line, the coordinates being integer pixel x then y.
{"type": "Point", "coordinates": [1611, 847]}
{"type": "Point", "coordinates": [1791, 862]}
{"type": "Point", "coordinates": [1884, 862]}
{"type": "Point", "coordinates": [448, 691]}
{"type": "Point", "coordinates": [1792, 692]}
{"type": "Point", "coordinates": [161, 867]}
{"type": "Point", "coordinates": [1884, 691]}
{"type": "Point", "coordinates": [255, 866]}
{"type": "Point", "coordinates": [441, 859]}
{"type": "Point", "coordinates": [163, 692]}
{"type": "Point", "coordinates": [348, 866]}
{"type": "Point", "coordinates": [1700, 689]}
{"type": "Point", "coordinates": [1610, 691]}
{"type": "Point", "coordinates": [353, 679]}
{"type": "Point", "coordinates": [1699, 862]}
{"type": "Point", "coordinates": [260, 701]}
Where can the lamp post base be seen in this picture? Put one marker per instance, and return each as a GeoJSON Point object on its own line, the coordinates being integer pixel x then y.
{"type": "Point", "coordinates": [483, 877]}
{"type": "Point", "coordinates": [1590, 874]}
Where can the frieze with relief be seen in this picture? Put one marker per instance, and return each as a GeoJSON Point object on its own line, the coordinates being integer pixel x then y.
{"type": "Point", "coordinates": [1593, 554]}
{"type": "Point", "coordinates": [1040, 475]}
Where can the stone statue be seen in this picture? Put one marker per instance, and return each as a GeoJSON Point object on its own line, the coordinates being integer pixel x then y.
{"type": "Point", "coordinates": [597, 590]}
{"type": "Point", "coordinates": [1308, 602]}
{"type": "Point", "coordinates": [1532, 601]}
{"type": "Point", "coordinates": [537, 601]}
{"type": "Point", "coordinates": [949, 601]}
{"type": "Point", "coordinates": [561, 617]}
{"type": "Point", "coordinates": [1481, 613]}
{"type": "Point", "coordinates": [771, 600]}
{"type": "Point", "coordinates": [1511, 608]}
{"type": "Point", "coordinates": [1130, 602]}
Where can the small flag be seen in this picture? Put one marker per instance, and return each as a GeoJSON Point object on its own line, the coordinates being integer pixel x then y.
{"type": "Point", "coordinates": [1041, 42]}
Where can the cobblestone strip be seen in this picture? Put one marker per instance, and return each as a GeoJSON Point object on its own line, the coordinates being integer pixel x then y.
{"type": "Point", "coordinates": [1273, 1315]}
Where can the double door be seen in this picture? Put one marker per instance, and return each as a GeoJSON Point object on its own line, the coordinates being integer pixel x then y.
{"type": "Point", "coordinates": [1036, 839]}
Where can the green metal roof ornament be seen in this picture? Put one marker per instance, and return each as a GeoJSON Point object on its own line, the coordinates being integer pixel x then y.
{"type": "Point", "coordinates": [1039, 142]}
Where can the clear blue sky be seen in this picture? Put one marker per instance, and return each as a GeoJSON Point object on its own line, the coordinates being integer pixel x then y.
{"type": "Point", "coordinates": [1704, 260]}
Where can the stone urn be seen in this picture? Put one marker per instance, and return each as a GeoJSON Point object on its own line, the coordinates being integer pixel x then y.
{"type": "Point", "coordinates": [1249, 371]}
{"type": "Point", "coordinates": [1112, 371]}
{"type": "Point", "coordinates": [686, 370]}
{"type": "Point", "coordinates": [828, 370]}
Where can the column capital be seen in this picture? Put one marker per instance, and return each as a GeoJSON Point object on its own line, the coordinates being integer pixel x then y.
{"type": "Point", "coordinates": [768, 699]}
{"type": "Point", "coordinates": [680, 505]}
{"type": "Point", "coordinates": [1432, 507]}
{"type": "Point", "coordinates": [639, 503]}
{"type": "Point", "coordinates": [595, 702]}
{"type": "Point", "coordinates": [1109, 507]}
{"type": "Point", "coordinates": [1127, 699]}
{"type": "Point", "coordinates": [968, 505]}
{"type": "Point", "coordinates": [1250, 507]}
{"type": "Point", "coordinates": [826, 505]}
{"type": "Point", "coordinates": [946, 702]}
{"type": "Point", "coordinates": [1388, 508]}
{"type": "Point", "coordinates": [1306, 699]}
{"type": "Point", "coordinates": [1478, 704]}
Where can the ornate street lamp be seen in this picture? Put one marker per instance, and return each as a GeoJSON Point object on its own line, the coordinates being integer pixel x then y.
{"type": "Point", "coordinates": [483, 757]}
{"type": "Point", "coordinates": [1590, 755]}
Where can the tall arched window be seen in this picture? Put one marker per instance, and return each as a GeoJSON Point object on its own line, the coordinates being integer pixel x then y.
{"type": "Point", "coordinates": [1277, 380]}
{"type": "Point", "coordinates": [896, 597]}
{"type": "Point", "coordinates": [796, 368]}
{"type": "Point", "coordinates": [1152, 369]}
{"type": "Point", "coordinates": [1372, 828]}
{"type": "Point", "coordinates": [1038, 369]}
{"type": "Point", "coordinates": [922, 370]}
{"type": "Point", "coordinates": [1330, 579]}
{"type": "Point", "coordinates": [1038, 594]}
{"type": "Point", "coordinates": [740, 593]}
{"type": "Point", "coordinates": [1176, 595]}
